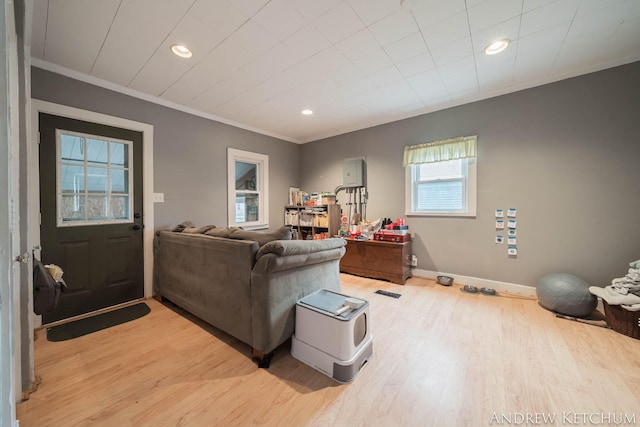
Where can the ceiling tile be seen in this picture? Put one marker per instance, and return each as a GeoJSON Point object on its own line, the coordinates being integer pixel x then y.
{"type": "Point", "coordinates": [250, 7]}
{"type": "Point", "coordinates": [280, 19]}
{"type": "Point", "coordinates": [394, 27]}
{"type": "Point", "coordinates": [461, 85]}
{"type": "Point", "coordinates": [452, 51]}
{"type": "Point", "coordinates": [385, 76]}
{"type": "Point", "coordinates": [373, 11]}
{"type": "Point", "coordinates": [339, 23]}
{"type": "Point", "coordinates": [358, 45]}
{"type": "Point", "coordinates": [548, 16]}
{"type": "Point", "coordinates": [549, 38]}
{"type": "Point", "coordinates": [492, 12]}
{"type": "Point", "coordinates": [430, 12]}
{"type": "Point", "coordinates": [372, 62]}
{"type": "Point", "coordinates": [444, 32]}
{"type": "Point", "coordinates": [433, 94]}
{"type": "Point", "coordinates": [253, 38]}
{"type": "Point", "coordinates": [535, 65]}
{"type": "Point", "coordinates": [79, 24]}
{"type": "Point", "coordinates": [529, 5]}
{"type": "Point", "coordinates": [320, 63]}
{"type": "Point", "coordinates": [217, 65]}
{"type": "Point", "coordinates": [459, 66]}
{"type": "Point", "coordinates": [406, 48]}
{"type": "Point", "coordinates": [218, 14]}
{"type": "Point", "coordinates": [415, 65]}
{"type": "Point", "coordinates": [496, 76]}
{"type": "Point", "coordinates": [313, 9]}
{"type": "Point", "coordinates": [183, 5]}
{"type": "Point", "coordinates": [591, 6]}
{"type": "Point", "coordinates": [424, 80]}
{"type": "Point", "coordinates": [126, 49]}
{"type": "Point", "coordinates": [306, 42]}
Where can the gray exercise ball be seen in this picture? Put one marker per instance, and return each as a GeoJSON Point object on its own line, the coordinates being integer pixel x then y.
{"type": "Point", "coordinates": [566, 294]}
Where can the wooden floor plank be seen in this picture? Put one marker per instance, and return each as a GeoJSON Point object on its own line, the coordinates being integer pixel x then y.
{"type": "Point", "coordinates": [441, 358]}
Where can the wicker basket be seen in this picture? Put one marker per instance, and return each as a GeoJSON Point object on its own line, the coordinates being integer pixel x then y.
{"type": "Point", "coordinates": [624, 321]}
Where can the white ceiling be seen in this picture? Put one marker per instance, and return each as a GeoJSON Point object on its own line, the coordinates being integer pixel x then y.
{"type": "Point", "coordinates": [356, 63]}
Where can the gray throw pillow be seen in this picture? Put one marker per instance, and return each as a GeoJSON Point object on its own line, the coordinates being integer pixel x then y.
{"type": "Point", "coordinates": [221, 232]}
{"type": "Point", "coordinates": [180, 227]}
{"type": "Point", "coordinates": [198, 230]}
{"type": "Point", "coordinates": [262, 237]}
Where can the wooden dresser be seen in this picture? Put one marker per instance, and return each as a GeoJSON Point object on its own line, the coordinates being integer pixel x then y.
{"type": "Point", "coordinates": [379, 260]}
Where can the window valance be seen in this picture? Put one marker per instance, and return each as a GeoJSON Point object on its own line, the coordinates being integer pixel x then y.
{"type": "Point", "coordinates": [440, 151]}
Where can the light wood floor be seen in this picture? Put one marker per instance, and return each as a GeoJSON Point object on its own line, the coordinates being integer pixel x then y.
{"type": "Point", "coordinates": [442, 358]}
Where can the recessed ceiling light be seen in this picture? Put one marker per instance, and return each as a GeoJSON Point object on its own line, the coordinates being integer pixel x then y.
{"type": "Point", "coordinates": [497, 47]}
{"type": "Point", "coordinates": [307, 112]}
{"type": "Point", "coordinates": [181, 50]}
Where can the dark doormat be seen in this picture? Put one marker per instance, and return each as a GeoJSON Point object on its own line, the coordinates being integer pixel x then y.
{"type": "Point", "coordinates": [81, 327]}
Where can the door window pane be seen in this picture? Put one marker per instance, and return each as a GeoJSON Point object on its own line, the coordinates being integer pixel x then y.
{"type": "Point", "coordinates": [119, 154]}
{"type": "Point", "coordinates": [71, 178]}
{"type": "Point", "coordinates": [72, 207]}
{"type": "Point", "coordinates": [97, 180]}
{"type": "Point", "coordinates": [118, 207]}
{"type": "Point", "coordinates": [96, 207]}
{"type": "Point", "coordinates": [94, 179]}
{"type": "Point", "coordinates": [119, 181]}
{"type": "Point", "coordinates": [72, 149]}
{"type": "Point", "coordinates": [97, 152]}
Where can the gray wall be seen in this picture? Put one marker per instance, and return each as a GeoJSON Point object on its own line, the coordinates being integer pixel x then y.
{"type": "Point", "coordinates": [565, 155]}
{"type": "Point", "coordinates": [190, 152]}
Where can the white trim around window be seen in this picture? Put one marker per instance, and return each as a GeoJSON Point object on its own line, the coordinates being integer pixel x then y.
{"type": "Point", "coordinates": [253, 215]}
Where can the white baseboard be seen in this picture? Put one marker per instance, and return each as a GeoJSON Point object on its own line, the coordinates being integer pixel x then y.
{"type": "Point", "coordinates": [476, 281]}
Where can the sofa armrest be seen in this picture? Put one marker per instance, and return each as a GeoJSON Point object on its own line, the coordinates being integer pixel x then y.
{"type": "Point", "coordinates": [281, 255]}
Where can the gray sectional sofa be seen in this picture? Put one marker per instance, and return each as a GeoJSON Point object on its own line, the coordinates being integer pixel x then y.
{"type": "Point", "coordinates": [244, 285]}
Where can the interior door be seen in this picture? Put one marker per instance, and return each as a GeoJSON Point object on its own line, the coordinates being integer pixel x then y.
{"type": "Point", "coordinates": [91, 213]}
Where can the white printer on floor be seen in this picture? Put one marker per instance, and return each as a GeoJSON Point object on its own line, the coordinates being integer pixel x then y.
{"type": "Point", "coordinates": [333, 334]}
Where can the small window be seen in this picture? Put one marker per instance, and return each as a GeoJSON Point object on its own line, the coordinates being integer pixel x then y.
{"type": "Point", "coordinates": [248, 177]}
{"type": "Point", "coordinates": [441, 181]}
{"type": "Point", "coordinates": [94, 179]}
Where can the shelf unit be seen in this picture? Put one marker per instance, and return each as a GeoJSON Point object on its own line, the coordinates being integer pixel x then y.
{"type": "Point", "coordinates": [310, 222]}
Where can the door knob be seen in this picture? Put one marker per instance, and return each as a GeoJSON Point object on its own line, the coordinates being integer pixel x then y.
{"type": "Point", "coordinates": [136, 227]}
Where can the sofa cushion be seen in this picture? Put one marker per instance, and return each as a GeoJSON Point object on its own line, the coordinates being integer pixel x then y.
{"type": "Point", "coordinates": [221, 232]}
{"type": "Point", "coordinates": [262, 237]}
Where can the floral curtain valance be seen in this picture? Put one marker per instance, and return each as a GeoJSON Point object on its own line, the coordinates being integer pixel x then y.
{"type": "Point", "coordinates": [440, 151]}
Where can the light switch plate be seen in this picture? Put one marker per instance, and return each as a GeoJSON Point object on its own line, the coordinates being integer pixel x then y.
{"type": "Point", "coordinates": [158, 197]}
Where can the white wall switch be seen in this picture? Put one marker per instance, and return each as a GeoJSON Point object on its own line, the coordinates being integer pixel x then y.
{"type": "Point", "coordinates": [158, 197]}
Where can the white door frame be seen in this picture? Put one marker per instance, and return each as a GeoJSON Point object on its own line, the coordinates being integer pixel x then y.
{"type": "Point", "coordinates": [37, 107]}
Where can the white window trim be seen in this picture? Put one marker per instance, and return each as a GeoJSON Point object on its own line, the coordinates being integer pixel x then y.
{"type": "Point", "coordinates": [471, 194]}
{"type": "Point", "coordinates": [262, 160]}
